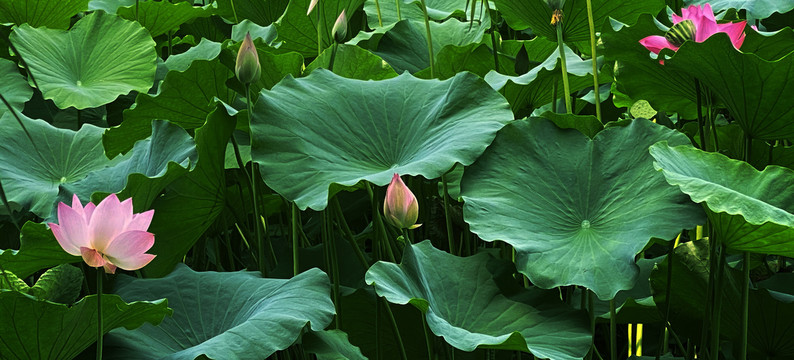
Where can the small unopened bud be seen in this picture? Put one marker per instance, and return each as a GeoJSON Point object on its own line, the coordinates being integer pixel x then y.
{"type": "Point", "coordinates": [311, 7]}
{"type": "Point", "coordinates": [247, 67]}
{"type": "Point", "coordinates": [340, 28]}
{"type": "Point", "coordinates": [400, 208]}
{"type": "Point", "coordinates": [556, 16]}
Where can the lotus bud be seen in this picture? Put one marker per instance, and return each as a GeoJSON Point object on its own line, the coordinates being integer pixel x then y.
{"type": "Point", "coordinates": [400, 208]}
{"type": "Point", "coordinates": [247, 67]}
{"type": "Point", "coordinates": [312, 4]}
{"type": "Point", "coordinates": [340, 28]}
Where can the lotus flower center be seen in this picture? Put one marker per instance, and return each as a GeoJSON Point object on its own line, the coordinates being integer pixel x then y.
{"type": "Point", "coordinates": [680, 32]}
{"type": "Point", "coordinates": [585, 224]}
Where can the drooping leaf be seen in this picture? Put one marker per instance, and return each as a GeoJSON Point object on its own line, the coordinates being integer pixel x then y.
{"type": "Point", "coordinates": [751, 210]}
{"type": "Point", "coordinates": [224, 315]}
{"type": "Point", "coordinates": [38, 250]}
{"type": "Point", "coordinates": [194, 200]}
{"type": "Point", "coordinates": [445, 287]}
{"type": "Point", "coordinates": [13, 86]}
{"type": "Point", "coordinates": [588, 231]}
{"type": "Point", "coordinates": [378, 128]}
{"type": "Point", "coordinates": [536, 15]}
{"type": "Point", "coordinates": [61, 284]}
{"type": "Point", "coordinates": [331, 345]}
{"type": "Point", "coordinates": [354, 62]}
{"type": "Point", "coordinates": [160, 17]}
{"type": "Point", "coordinates": [41, 13]}
{"type": "Point", "coordinates": [100, 58]}
{"type": "Point", "coordinates": [39, 329]}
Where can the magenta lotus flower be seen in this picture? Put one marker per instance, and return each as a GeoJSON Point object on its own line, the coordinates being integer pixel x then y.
{"type": "Point", "coordinates": [400, 208]}
{"type": "Point", "coordinates": [107, 235]}
{"type": "Point", "coordinates": [695, 24]}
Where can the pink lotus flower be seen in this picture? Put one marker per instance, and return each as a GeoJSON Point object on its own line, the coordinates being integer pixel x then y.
{"type": "Point", "coordinates": [400, 208]}
{"type": "Point", "coordinates": [695, 24]}
{"type": "Point", "coordinates": [107, 235]}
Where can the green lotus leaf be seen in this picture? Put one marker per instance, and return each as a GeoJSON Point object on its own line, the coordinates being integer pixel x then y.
{"type": "Point", "coordinates": [331, 345]}
{"type": "Point", "coordinates": [751, 210]}
{"type": "Point", "coordinates": [61, 331]}
{"type": "Point", "coordinates": [404, 46]}
{"type": "Point", "coordinates": [38, 250]}
{"type": "Point", "coordinates": [41, 13]}
{"type": "Point", "coordinates": [588, 231]}
{"type": "Point", "coordinates": [444, 287]}
{"type": "Point", "coordinates": [536, 15]}
{"type": "Point", "coordinates": [61, 284]}
{"type": "Point", "coordinates": [586, 124]}
{"type": "Point", "coordinates": [160, 17]}
{"type": "Point", "coordinates": [436, 10]}
{"type": "Point", "coordinates": [753, 9]}
{"type": "Point", "coordinates": [299, 31]}
{"type": "Point", "coordinates": [355, 63]}
{"type": "Point", "coordinates": [13, 86]}
{"type": "Point", "coordinates": [474, 58]}
{"type": "Point", "coordinates": [259, 12]}
{"type": "Point", "coordinates": [223, 315]}
{"type": "Point", "coordinates": [194, 200]}
{"type": "Point", "coordinates": [100, 58]}
{"type": "Point", "coordinates": [204, 50]}
{"type": "Point", "coordinates": [402, 125]}
{"type": "Point", "coordinates": [748, 85]}
{"type": "Point", "coordinates": [642, 78]}
{"type": "Point", "coordinates": [9, 281]}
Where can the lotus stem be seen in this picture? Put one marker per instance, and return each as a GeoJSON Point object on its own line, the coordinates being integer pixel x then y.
{"type": "Point", "coordinates": [377, 8]}
{"type": "Point", "coordinates": [595, 61]}
{"type": "Point", "coordinates": [344, 228]}
{"type": "Point", "coordinates": [136, 9]}
{"type": "Point", "coordinates": [334, 48]}
{"type": "Point", "coordinates": [429, 37]}
{"type": "Point", "coordinates": [493, 36]}
{"type": "Point", "coordinates": [378, 219]}
{"type": "Point", "coordinates": [397, 3]}
{"type": "Point", "coordinates": [563, 63]}
{"type": "Point", "coordinates": [591, 312]}
{"type": "Point", "coordinates": [428, 341]}
{"type": "Point", "coordinates": [10, 213]}
{"type": "Point", "coordinates": [701, 125]}
{"type": "Point", "coordinates": [447, 217]}
{"type": "Point", "coordinates": [613, 328]}
{"type": "Point", "coordinates": [22, 124]}
{"type": "Point", "coordinates": [252, 188]}
{"type": "Point", "coordinates": [748, 148]}
{"type": "Point", "coordinates": [233, 12]}
{"type": "Point", "coordinates": [712, 125]}
{"type": "Point", "coordinates": [295, 239]}
{"type": "Point", "coordinates": [717, 310]}
{"type": "Point", "coordinates": [79, 119]}
{"type": "Point", "coordinates": [100, 332]}
{"type": "Point", "coordinates": [396, 330]}
{"type": "Point", "coordinates": [667, 294]}
{"type": "Point", "coordinates": [319, 31]}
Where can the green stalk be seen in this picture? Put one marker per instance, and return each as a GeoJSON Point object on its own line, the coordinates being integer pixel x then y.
{"type": "Point", "coordinates": [79, 119]}
{"type": "Point", "coordinates": [566, 86]}
{"type": "Point", "coordinates": [384, 238]}
{"type": "Point", "coordinates": [342, 223]}
{"type": "Point", "coordinates": [334, 47]}
{"type": "Point", "coordinates": [399, 16]}
{"type": "Point", "coordinates": [396, 330]}
{"type": "Point", "coordinates": [170, 46]}
{"type": "Point", "coordinates": [99, 338]}
{"type": "Point", "coordinates": [429, 37]}
{"type": "Point", "coordinates": [295, 239]}
{"type": "Point", "coordinates": [711, 122]}
{"type": "Point", "coordinates": [319, 31]}
{"type": "Point", "coordinates": [427, 335]}
{"type": "Point", "coordinates": [717, 309]}
{"type": "Point", "coordinates": [24, 128]}
{"type": "Point", "coordinates": [447, 217]}
{"type": "Point", "coordinates": [233, 12]}
{"type": "Point", "coordinates": [493, 37]}
{"type": "Point", "coordinates": [259, 240]}
{"type": "Point", "coordinates": [136, 9]}
{"type": "Point", "coordinates": [748, 147]}
{"type": "Point", "coordinates": [595, 62]}
{"type": "Point", "coordinates": [377, 7]}
{"type": "Point", "coordinates": [701, 125]}
{"type": "Point", "coordinates": [663, 337]}
{"type": "Point", "coordinates": [613, 326]}
{"type": "Point", "coordinates": [591, 312]}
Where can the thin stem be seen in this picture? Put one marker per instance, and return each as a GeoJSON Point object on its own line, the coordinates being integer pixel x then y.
{"type": "Point", "coordinates": [233, 12]}
{"type": "Point", "coordinates": [333, 56]}
{"type": "Point", "coordinates": [100, 332]}
{"type": "Point", "coordinates": [384, 238]}
{"type": "Point", "coordinates": [377, 8]}
{"type": "Point", "coordinates": [319, 31]}
{"type": "Point", "coordinates": [428, 340]}
{"type": "Point", "coordinates": [399, 16]}
{"type": "Point", "coordinates": [563, 63]}
{"type": "Point", "coordinates": [429, 37]}
{"type": "Point", "coordinates": [663, 343]}
{"type": "Point", "coordinates": [613, 329]}
{"type": "Point", "coordinates": [257, 232]}
{"type": "Point", "coordinates": [342, 223]}
{"type": "Point", "coordinates": [79, 119]}
{"type": "Point", "coordinates": [493, 37]}
{"type": "Point", "coordinates": [22, 124]}
{"type": "Point", "coordinates": [447, 217]}
{"type": "Point", "coordinates": [701, 126]}
{"type": "Point", "coordinates": [748, 147]}
{"type": "Point", "coordinates": [395, 329]}
{"type": "Point", "coordinates": [717, 310]}
{"type": "Point", "coordinates": [712, 123]}
{"type": "Point", "coordinates": [136, 9]}
{"type": "Point", "coordinates": [591, 312]}
{"type": "Point", "coordinates": [295, 240]}
{"type": "Point", "coordinates": [8, 208]}
{"type": "Point", "coordinates": [595, 61]}
{"type": "Point", "coordinates": [405, 236]}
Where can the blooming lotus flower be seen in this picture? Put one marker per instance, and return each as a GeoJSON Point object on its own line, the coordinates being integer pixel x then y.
{"type": "Point", "coordinates": [400, 208]}
{"type": "Point", "coordinates": [694, 24]}
{"type": "Point", "coordinates": [340, 28]}
{"type": "Point", "coordinates": [247, 68]}
{"type": "Point", "coordinates": [107, 235]}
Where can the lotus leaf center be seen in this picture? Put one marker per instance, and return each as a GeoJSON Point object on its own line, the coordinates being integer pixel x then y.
{"type": "Point", "coordinates": [585, 224]}
{"type": "Point", "coordinates": [79, 83]}
{"type": "Point", "coordinates": [63, 179]}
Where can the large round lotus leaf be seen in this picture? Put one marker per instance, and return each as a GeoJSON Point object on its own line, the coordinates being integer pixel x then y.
{"type": "Point", "coordinates": [160, 17]}
{"type": "Point", "coordinates": [100, 58]}
{"type": "Point", "coordinates": [38, 250]}
{"type": "Point", "coordinates": [751, 210]}
{"type": "Point", "coordinates": [576, 210]}
{"type": "Point", "coordinates": [54, 14]}
{"type": "Point", "coordinates": [751, 87]}
{"type": "Point", "coordinates": [39, 329]}
{"type": "Point", "coordinates": [323, 129]}
{"type": "Point", "coordinates": [13, 86]}
{"type": "Point", "coordinates": [536, 14]}
{"type": "Point", "coordinates": [436, 10]}
{"type": "Point", "coordinates": [445, 287]}
{"type": "Point", "coordinates": [223, 315]}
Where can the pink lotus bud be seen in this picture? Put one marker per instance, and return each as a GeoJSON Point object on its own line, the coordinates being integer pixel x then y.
{"type": "Point", "coordinates": [107, 235]}
{"type": "Point", "coordinates": [400, 208]}
{"type": "Point", "coordinates": [340, 28]}
{"type": "Point", "coordinates": [247, 67]}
